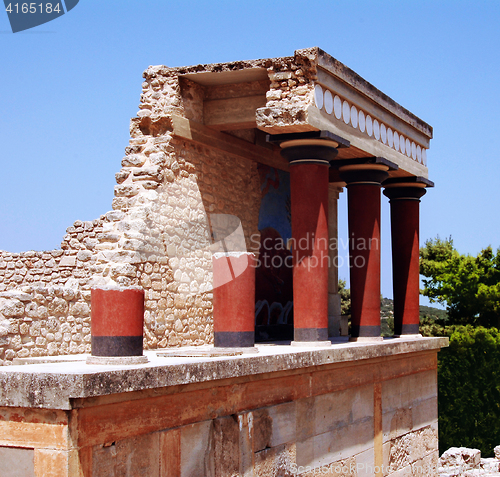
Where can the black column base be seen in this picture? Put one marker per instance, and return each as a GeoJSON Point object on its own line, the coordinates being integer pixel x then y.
{"type": "Point", "coordinates": [311, 334]}
{"type": "Point", "coordinates": [116, 346]}
{"type": "Point", "coordinates": [234, 339]}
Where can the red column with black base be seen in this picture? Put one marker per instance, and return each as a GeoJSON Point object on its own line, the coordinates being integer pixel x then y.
{"type": "Point", "coordinates": [405, 204]}
{"type": "Point", "coordinates": [234, 299]}
{"type": "Point", "coordinates": [363, 196]}
{"type": "Point", "coordinates": [309, 164]}
{"type": "Point", "coordinates": [117, 320]}
{"type": "Point", "coordinates": [309, 198]}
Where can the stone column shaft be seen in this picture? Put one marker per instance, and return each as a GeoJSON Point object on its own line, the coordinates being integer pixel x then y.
{"type": "Point", "coordinates": [309, 197]}
{"type": "Point", "coordinates": [405, 257]}
{"type": "Point", "coordinates": [117, 322]}
{"type": "Point", "coordinates": [234, 299]}
{"type": "Point", "coordinates": [309, 165]}
{"type": "Point", "coordinates": [363, 196]}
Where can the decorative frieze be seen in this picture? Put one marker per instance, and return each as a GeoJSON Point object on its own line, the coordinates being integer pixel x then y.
{"type": "Point", "coordinates": [342, 110]}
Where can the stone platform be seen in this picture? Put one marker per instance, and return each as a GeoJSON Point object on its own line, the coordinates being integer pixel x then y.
{"type": "Point", "coordinates": [370, 408]}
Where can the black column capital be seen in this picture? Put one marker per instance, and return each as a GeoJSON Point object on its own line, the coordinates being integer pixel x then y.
{"type": "Point", "coordinates": [313, 147]}
{"type": "Point", "coordinates": [370, 174]}
{"type": "Point", "coordinates": [298, 151]}
{"type": "Point", "coordinates": [406, 188]}
{"type": "Point", "coordinates": [404, 193]}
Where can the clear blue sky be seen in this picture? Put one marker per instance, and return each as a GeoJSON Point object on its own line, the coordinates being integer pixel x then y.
{"type": "Point", "coordinates": [68, 89]}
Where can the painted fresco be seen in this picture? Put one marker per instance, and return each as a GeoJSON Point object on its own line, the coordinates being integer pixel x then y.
{"type": "Point", "coordinates": [274, 273]}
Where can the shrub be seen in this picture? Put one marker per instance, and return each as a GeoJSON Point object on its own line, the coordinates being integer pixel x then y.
{"type": "Point", "coordinates": [469, 389]}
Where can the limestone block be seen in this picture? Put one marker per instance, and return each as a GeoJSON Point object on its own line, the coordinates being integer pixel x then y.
{"type": "Point", "coordinates": [23, 294]}
{"type": "Point", "coordinates": [404, 472]}
{"type": "Point", "coordinates": [277, 461]}
{"type": "Point", "coordinates": [11, 308]}
{"type": "Point", "coordinates": [58, 307]}
{"type": "Point", "coordinates": [68, 261]}
{"type": "Point", "coordinates": [133, 160]}
{"type": "Point", "coordinates": [226, 446]}
{"type": "Point", "coordinates": [461, 456]}
{"type": "Point", "coordinates": [396, 423]}
{"type": "Point", "coordinates": [341, 408]}
{"type": "Point", "coordinates": [4, 327]}
{"type": "Point", "coordinates": [122, 175]}
{"type": "Point", "coordinates": [425, 413]}
{"type": "Point", "coordinates": [16, 462]}
{"type": "Point", "coordinates": [84, 255]}
{"type": "Point", "coordinates": [126, 190]}
{"type": "Point", "coordinates": [427, 465]}
{"type": "Point", "coordinates": [16, 343]}
{"type": "Point", "coordinates": [157, 158]}
{"type": "Point", "coordinates": [136, 456]}
{"type": "Point", "coordinates": [80, 309]}
{"type": "Point", "coordinates": [365, 464]}
{"type": "Point", "coordinates": [42, 312]}
{"type": "Point", "coordinates": [283, 423]}
{"type": "Point", "coordinates": [343, 442]}
{"type": "Point", "coordinates": [197, 456]}
{"type": "Point", "coordinates": [262, 428]}
{"type": "Point", "coordinates": [490, 464]}
{"type": "Point", "coordinates": [411, 447]}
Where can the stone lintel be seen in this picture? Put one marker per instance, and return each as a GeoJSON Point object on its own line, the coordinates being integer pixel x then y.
{"type": "Point", "coordinates": [56, 385]}
{"type": "Point", "coordinates": [337, 163]}
{"type": "Point", "coordinates": [326, 135]}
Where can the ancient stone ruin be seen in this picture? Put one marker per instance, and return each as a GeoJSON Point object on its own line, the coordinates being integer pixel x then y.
{"type": "Point", "coordinates": [225, 217]}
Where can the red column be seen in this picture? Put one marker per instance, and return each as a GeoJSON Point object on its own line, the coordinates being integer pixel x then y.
{"type": "Point", "coordinates": [309, 197]}
{"type": "Point", "coordinates": [309, 164]}
{"type": "Point", "coordinates": [234, 299]}
{"type": "Point", "coordinates": [117, 318]}
{"type": "Point", "coordinates": [405, 202]}
{"type": "Point", "coordinates": [363, 196]}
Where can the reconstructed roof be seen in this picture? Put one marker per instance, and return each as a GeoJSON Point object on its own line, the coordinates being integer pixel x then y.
{"type": "Point", "coordinates": [309, 91]}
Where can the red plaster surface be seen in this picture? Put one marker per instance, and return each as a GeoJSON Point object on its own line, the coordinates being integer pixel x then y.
{"type": "Point", "coordinates": [405, 259]}
{"type": "Point", "coordinates": [117, 312]}
{"type": "Point", "coordinates": [234, 300]}
{"type": "Point", "coordinates": [364, 250]}
{"type": "Point", "coordinates": [309, 197]}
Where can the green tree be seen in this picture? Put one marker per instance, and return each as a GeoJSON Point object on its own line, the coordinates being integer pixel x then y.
{"type": "Point", "coordinates": [345, 298]}
{"type": "Point", "coordinates": [469, 286]}
{"type": "Point", "coordinates": [469, 389]}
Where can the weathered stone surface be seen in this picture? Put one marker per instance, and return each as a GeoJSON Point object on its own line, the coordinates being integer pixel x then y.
{"type": "Point", "coordinates": [197, 457]}
{"type": "Point", "coordinates": [465, 462]}
{"type": "Point", "coordinates": [276, 461]}
{"type": "Point", "coordinates": [411, 447]}
{"type": "Point", "coordinates": [51, 385]}
{"type": "Point", "coordinates": [497, 452]}
{"type": "Point", "coordinates": [11, 308]}
{"type": "Point", "coordinates": [461, 457]}
{"type": "Point", "coordinates": [226, 439]}
{"type": "Point", "coordinates": [138, 456]}
{"type": "Point", "coordinates": [15, 462]}
{"type": "Point", "coordinates": [133, 160]}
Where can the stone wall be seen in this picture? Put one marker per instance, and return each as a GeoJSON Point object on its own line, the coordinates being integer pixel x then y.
{"type": "Point", "coordinates": [45, 296]}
